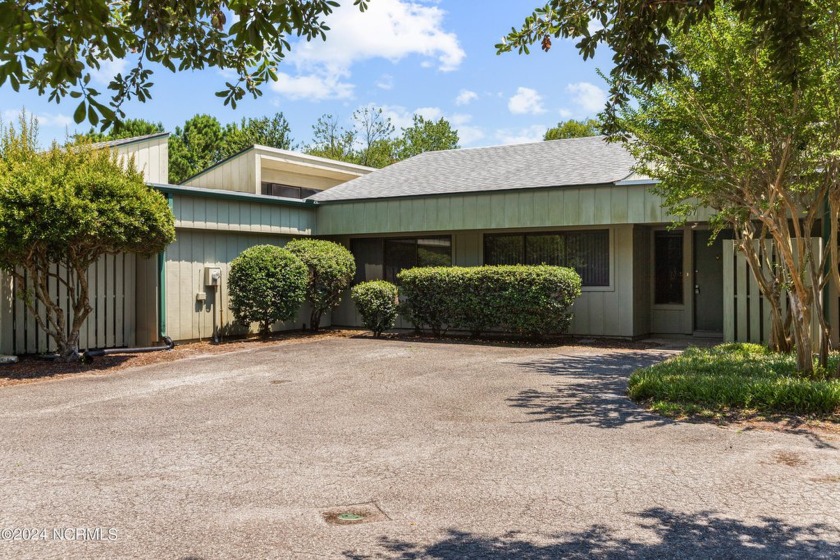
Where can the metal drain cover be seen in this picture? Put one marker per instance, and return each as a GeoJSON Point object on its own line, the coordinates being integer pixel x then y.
{"type": "Point", "coordinates": [354, 514]}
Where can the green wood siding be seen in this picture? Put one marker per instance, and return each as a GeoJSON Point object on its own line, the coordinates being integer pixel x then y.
{"type": "Point", "coordinates": [202, 213]}
{"type": "Point", "coordinates": [532, 208]}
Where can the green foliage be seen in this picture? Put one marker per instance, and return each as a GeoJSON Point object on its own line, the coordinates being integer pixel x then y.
{"type": "Point", "coordinates": [377, 303]}
{"type": "Point", "coordinates": [736, 378]}
{"type": "Point", "coordinates": [331, 269]}
{"type": "Point", "coordinates": [54, 48]}
{"type": "Point", "coordinates": [573, 129]}
{"type": "Point", "coordinates": [68, 206]}
{"type": "Point", "coordinates": [426, 136]}
{"type": "Point", "coordinates": [526, 300]}
{"type": "Point", "coordinates": [267, 285]}
{"type": "Point", "coordinates": [129, 128]}
{"type": "Point", "coordinates": [195, 147]}
{"type": "Point", "coordinates": [638, 33]}
{"type": "Point", "coordinates": [273, 132]}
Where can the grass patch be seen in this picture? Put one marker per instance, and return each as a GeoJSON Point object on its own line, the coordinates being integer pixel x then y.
{"type": "Point", "coordinates": [736, 377]}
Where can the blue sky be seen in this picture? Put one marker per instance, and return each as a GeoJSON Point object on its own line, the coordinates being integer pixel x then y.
{"type": "Point", "coordinates": [432, 57]}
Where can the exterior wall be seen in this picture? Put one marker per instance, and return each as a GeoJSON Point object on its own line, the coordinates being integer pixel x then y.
{"type": "Point", "coordinates": [151, 158]}
{"type": "Point", "coordinates": [642, 280]}
{"type": "Point", "coordinates": [298, 179]}
{"type": "Point", "coordinates": [212, 229]}
{"type": "Point", "coordinates": [533, 208]}
{"type": "Point", "coordinates": [238, 173]}
{"type": "Point", "coordinates": [600, 311]}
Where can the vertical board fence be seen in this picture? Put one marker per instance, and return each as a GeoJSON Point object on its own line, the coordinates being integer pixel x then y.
{"type": "Point", "coordinates": [111, 324]}
{"type": "Point", "coordinates": [746, 313]}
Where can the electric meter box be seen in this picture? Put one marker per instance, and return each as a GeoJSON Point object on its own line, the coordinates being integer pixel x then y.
{"type": "Point", "coordinates": [212, 276]}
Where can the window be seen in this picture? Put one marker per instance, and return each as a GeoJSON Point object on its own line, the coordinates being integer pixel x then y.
{"type": "Point", "coordinates": [588, 252]}
{"type": "Point", "coordinates": [378, 258]}
{"type": "Point", "coordinates": [286, 191]}
{"type": "Point", "coordinates": [668, 267]}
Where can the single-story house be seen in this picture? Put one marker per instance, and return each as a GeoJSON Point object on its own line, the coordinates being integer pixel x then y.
{"type": "Point", "coordinates": [570, 202]}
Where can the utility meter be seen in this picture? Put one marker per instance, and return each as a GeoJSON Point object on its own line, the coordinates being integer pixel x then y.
{"type": "Point", "coordinates": [212, 276]}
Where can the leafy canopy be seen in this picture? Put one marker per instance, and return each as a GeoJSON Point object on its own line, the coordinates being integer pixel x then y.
{"type": "Point", "coordinates": [331, 269]}
{"type": "Point", "coordinates": [427, 136]}
{"type": "Point", "coordinates": [638, 33]}
{"type": "Point", "coordinates": [573, 129]}
{"type": "Point", "coordinates": [54, 47]}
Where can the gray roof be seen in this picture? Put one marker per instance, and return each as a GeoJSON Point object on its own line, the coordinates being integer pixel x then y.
{"type": "Point", "coordinates": [556, 163]}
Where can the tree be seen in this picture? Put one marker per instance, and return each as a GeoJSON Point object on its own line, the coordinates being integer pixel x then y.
{"type": "Point", "coordinates": [426, 136]}
{"type": "Point", "coordinates": [267, 285]}
{"type": "Point", "coordinates": [332, 141]}
{"type": "Point", "coordinates": [54, 47]}
{"type": "Point", "coordinates": [638, 33]}
{"type": "Point", "coordinates": [195, 147]}
{"type": "Point", "coordinates": [63, 208]}
{"type": "Point", "coordinates": [331, 269]}
{"type": "Point", "coordinates": [729, 134]}
{"type": "Point", "coordinates": [267, 131]}
{"type": "Point", "coordinates": [573, 129]}
{"type": "Point", "coordinates": [129, 128]}
{"type": "Point", "coordinates": [374, 133]}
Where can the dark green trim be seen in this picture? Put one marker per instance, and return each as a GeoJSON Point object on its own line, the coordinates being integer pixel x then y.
{"type": "Point", "coordinates": [173, 190]}
{"type": "Point", "coordinates": [162, 285]}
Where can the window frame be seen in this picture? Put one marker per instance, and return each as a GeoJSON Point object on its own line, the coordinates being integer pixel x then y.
{"type": "Point", "coordinates": [610, 287]}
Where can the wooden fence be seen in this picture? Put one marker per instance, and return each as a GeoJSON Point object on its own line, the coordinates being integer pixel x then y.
{"type": "Point", "coordinates": [746, 313]}
{"type": "Point", "coordinates": [110, 325]}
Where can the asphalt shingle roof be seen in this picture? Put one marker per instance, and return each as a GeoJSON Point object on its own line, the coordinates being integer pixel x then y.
{"type": "Point", "coordinates": [578, 161]}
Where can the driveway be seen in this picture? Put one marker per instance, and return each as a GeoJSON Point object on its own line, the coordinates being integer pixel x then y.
{"type": "Point", "coordinates": [453, 450]}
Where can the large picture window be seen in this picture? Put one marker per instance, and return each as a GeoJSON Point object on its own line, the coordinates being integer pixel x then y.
{"type": "Point", "coordinates": [668, 267]}
{"type": "Point", "coordinates": [588, 252]}
{"type": "Point", "coordinates": [383, 258]}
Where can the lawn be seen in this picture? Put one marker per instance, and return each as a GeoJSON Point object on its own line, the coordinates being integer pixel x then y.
{"type": "Point", "coordinates": [736, 378]}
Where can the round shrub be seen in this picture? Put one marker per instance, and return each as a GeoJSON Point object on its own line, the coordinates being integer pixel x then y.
{"type": "Point", "coordinates": [377, 304]}
{"type": "Point", "coordinates": [267, 284]}
{"type": "Point", "coordinates": [331, 269]}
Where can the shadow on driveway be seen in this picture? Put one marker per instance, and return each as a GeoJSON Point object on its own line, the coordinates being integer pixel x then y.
{"type": "Point", "coordinates": [592, 390]}
{"type": "Point", "coordinates": [702, 535]}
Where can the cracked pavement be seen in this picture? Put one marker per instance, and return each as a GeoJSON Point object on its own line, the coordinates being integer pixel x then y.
{"type": "Point", "coordinates": [471, 451]}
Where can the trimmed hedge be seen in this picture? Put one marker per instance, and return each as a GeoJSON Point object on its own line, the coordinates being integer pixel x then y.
{"type": "Point", "coordinates": [526, 300]}
{"type": "Point", "coordinates": [377, 304]}
{"type": "Point", "coordinates": [267, 284]}
{"type": "Point", "coordinates": [331, 269]}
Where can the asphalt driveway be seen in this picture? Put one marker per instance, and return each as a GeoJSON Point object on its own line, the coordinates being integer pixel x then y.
{"type": "Point", "coordinates": [455, 451]}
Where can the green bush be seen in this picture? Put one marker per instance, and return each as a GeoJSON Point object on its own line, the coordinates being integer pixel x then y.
{"type": "Point", "coordinates": [267, 284]}
{"type": "Point", "coordinates": [377, 304]}
{"type": "Point", "coordinates": [526, 300]}
{"type": "Point", "coordinates": [331, 269]}
{"type": "Point", "coordinates": [736, 377]}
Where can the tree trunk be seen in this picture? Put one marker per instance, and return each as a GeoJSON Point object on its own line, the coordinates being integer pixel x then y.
{"type": "Point", "coordinates": [801, 314]}
{"type": "Point", "coordinates": [315, 320]}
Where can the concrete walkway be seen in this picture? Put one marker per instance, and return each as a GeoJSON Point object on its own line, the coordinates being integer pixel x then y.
{"type": "Point", "coordinates": [457, 450]}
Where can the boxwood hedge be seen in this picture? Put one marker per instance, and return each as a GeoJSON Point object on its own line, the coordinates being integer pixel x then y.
{"type": "Point", "coordinates": [377, 304]}
{"type": "Point", "coordinates": [526, 300]}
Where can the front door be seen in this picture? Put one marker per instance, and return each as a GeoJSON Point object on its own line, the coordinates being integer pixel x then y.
{"type": "Point", "coordinates": [708, 284]}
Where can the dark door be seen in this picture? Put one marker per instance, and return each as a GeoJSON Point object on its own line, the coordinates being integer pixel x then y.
{"type": "Point", "coordinates": [708, 283]}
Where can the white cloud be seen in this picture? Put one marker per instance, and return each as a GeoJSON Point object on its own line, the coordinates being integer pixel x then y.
{"type": "Point", "coordinates": [386, 82]}
{"type": "Point", "coordinates": [589, 98]}
{"type": "Point", "coordinates": [429, 113]}
{"type": "Point", "coordinates": [468, 134]}
{"type": "Point", "coordinates": [526, 101]}
{"type": "Point", "coordinates": [45, 120]}
{"type": "Point", "coordinates": [389, 29]}
{"type": "Point", "coordinates": [315, 87]}
{"type": "Point", "coordinates": [532, 133]}
{"type": "Point", "coordinates": [107, 70]}
{"type": "Point", "coordinates": [465, 97]}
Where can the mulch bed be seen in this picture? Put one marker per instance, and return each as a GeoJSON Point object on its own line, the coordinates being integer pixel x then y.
{"type": "Point", "coordinates": [32, 368]}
